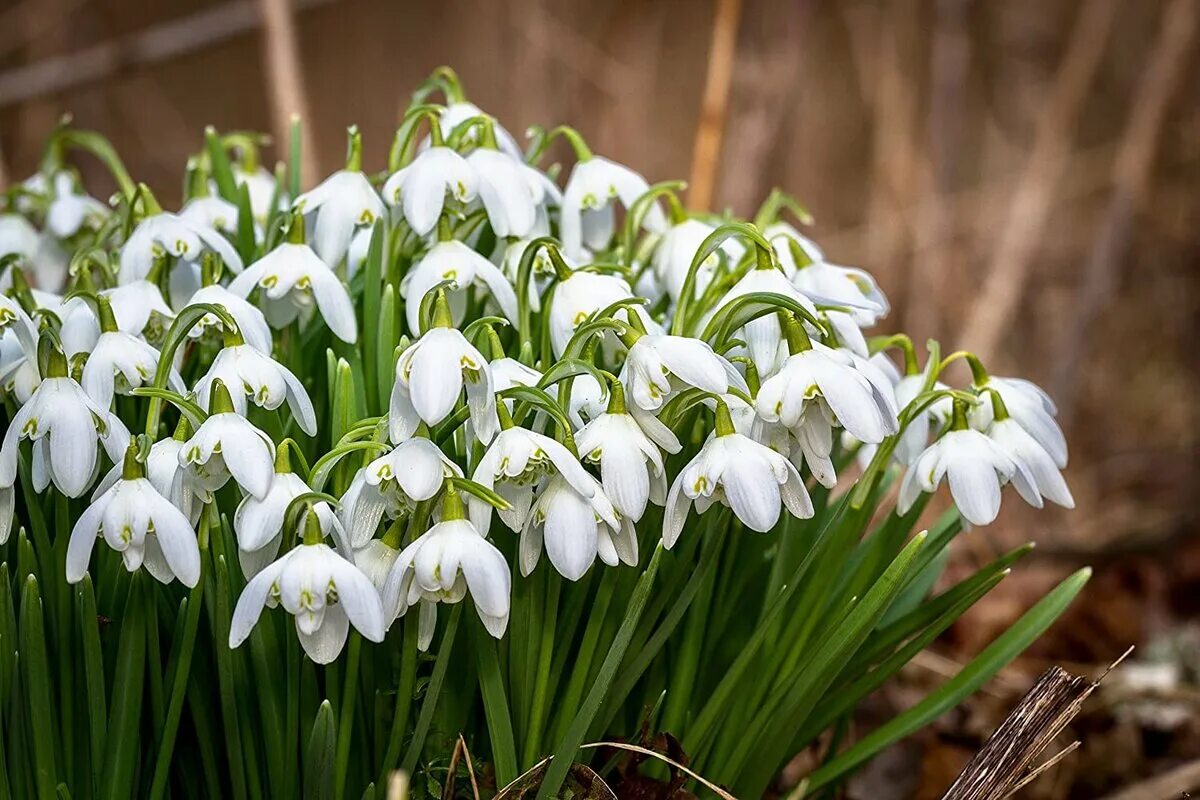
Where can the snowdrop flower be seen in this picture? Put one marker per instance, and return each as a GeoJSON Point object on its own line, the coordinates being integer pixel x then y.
{"type": "Point", "coordinates": [788, 242]}
{"type": "Point", "coordinates": [514, 463]}
{"type": "Point", "coordinates": [456, 113]}
{"type": "Point", "coordinates": [1031, 407]}
{"type": "Point", "coordinates": [580, 294]}
{"type": "Point", "coordinates": [212, 212]}
{"type": "Point", "coordinates": [575, 529]}
{"type": "Point", "coordinates": [658, 366]}
{"type": "Point", "coordinates": [587, 400]}
{"type": "Point", "coordinates": [414, 471]}
{"type": "Point", "coordinates": [430, 376]}
{"type": "Point", "coordinates": [19, 375]}
{"type": "Point", "coordinates": [835, 285]}
{"type": "Point", "coordinates": [631, 466]}
{"type": "Point", "coordinates": [342, 202]}
{"type": "Point", "coordinates": [162, 233]}
{"type": "Point", "coordinates": [1037, 476]}
{"type": "Point", "coordinates": [291, 278]}
{"type": "Point", "coordinates": [587, 212]}
{"type": "Point", "coordinates": [14, 320]}
{"type": "Point", "coordinates": [70, 209]}
{"type": "Point", "coordinates": [915, 437]}
{"type": "Point", "coordinates": [445, 563]}
{"type": "Point", "coordinates": [376, 558]}
{"type": "Point", "coordinates": [262, 188]}
{"type": "Point", "coordinates": [261, 378]}
{"type": "Point", "coordinates": [321, 589]}
{"type": "Point", "coordinates": [975, 466]}
{"type": "Point", "coordinates": [763, 336]}
{"type": "Point", "coordinates": [419, 190]}
{"type": "Point", "coordinates": [507, 189]}
{"type": "Point", "coordinates": [17, 235]}
{"type": "Point", "coordinates": [251, 323]}
{"type": "Point", "coordinates": [139, 309]}
{"type": "Point", "coordinates": [748, 477]}
{"type": "Point", "coordinates": [120, 362]}
{"type": "Point", "coordinates": [60, 412]}
{"type": "Point", "coordinates": [674, 253]}
{"type": "Point", "coordinates": [143, 526]}
{"type": "Point", "coordinates": [816, 373]}
{"type": "Point", "coordinates": [226, 444]}
{"type": "Point", "coordinates": [454, 261]}
{"type": "Point", "coordinates": [258, 522]}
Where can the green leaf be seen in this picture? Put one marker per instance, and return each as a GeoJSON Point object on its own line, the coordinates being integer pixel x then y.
{"type": "Point", "coordinates": [93, 674]}
{"type": "Point", "coordinates": [222, 171]}
{"type": "Point", "coordinates": [37, 686]}
{"type": "Point", "coordinates": [245, 228]}
{"type": "Point", "coordinates": [432, 691]}
{"type": "Point", "coordinates": [123, 739]}
{"type": "Point", "coordinates": [495, 706]}
{"type": "Point", "coordinates": [994, 657]}
{"type": "Point", "coordinates": [319, 755]}
{"type": "Point", "coordinates": [564, 754]}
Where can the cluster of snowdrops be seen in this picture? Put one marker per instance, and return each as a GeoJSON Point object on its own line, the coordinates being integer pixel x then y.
{"type": "Point", "coordinates": [398, 369]}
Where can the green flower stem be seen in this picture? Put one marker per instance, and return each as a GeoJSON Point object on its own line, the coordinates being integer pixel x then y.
{"type": "Point", "coordinates": [432, 692]}
{"type": "Point", "coordinates": [537, 714]}
{"type": "Point", "coordinates": [403, 703]}
{"type": "Point", "coordinates": [346, 721]}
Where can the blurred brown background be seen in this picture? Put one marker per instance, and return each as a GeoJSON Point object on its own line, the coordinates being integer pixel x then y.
{"type": "Point", "coordinates": [1023, 178]}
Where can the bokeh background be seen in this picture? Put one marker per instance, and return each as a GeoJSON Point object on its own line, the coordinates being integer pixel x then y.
{"type": "Point", "coordinates": [1023, 177]}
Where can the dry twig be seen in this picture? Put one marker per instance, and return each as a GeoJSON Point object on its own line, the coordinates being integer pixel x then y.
{"type": "Point", "coordinates": [715, 106]}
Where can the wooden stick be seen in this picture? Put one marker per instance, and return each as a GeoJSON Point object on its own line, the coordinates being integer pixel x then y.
{"type": "Point", "coordinates": [1006, 760]}
{"type": "Point", "coordinates": [1030, 206]}
{"type": "Point", "coordinates": [285, 82]}
{"type": "Point", "coordinates": [159, 43]}
{"type": "Point", "coordinates": [1131, 177]}
{"type": "Point", "coordinates": [706, 151]}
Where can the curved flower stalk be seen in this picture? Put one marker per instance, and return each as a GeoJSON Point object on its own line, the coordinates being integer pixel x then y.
{"type": "Point", "coordinates": [323, 591]}
{"type": "Point", "coordinates": [442, 565]}
{"type": "Point", "coordinates": [141, 524]}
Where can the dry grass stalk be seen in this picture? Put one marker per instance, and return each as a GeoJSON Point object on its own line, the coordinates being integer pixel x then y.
{"type": "Point", "coordinates": [715, 106]}
{"type": "Point", "coordinates": [1031, 203]}
{"type": "Point", "coordinates": [1004, 764]}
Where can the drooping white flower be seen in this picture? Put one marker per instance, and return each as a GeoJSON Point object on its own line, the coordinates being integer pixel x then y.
{"type": "Point", "coordinates": [137, 521]}
{"type": "Point", "coordinates": [454, 261]}
{"type": "Point", "coordinates": [121, 362]}
{"type": "Point", "coordinates": [513, 465]}
{"type": "Point", "coordinates": [292, 277]}
{"type": "Point", "coordinates": [821, 374]}
{"type": "Point", "coordinates": [575, 529]}
{"type": "Point", "coordinates": [915, 437]}
{"type": "Point", "coordinates": [430, 376]}
{"type": "Point", "coordinates": [631, 466]}
{"type": "Point", "coordinates": [17, 235]}
{"type": "Point", "coordinates": [251, 323]}
{"type": "Point", "coordinates": [342, 202]}
{"type": "Point", "coordinates": [71, 210]}
{"type": "Point", "coordinates": [579, 296]}
{"type": "Point", "coordinates": [419, 190]}
{"type": "Point", "coordinates": [854, 288]}
{"type": "Point", "coordinates": [375, 559]}
{"type": "Point", "coordinates": [587, 205]}
{"type": "Point", "coordinates": [508, 191]}
{"type": "Point", "coordinates": [225, 445]}
{"type": "Point", "coordinates": [1039, 476]}
{"type": "Point", "coordinates": [139, 309]}
{"type": "Point", "coordinates": [456, 113]}
{"type": "Point", "coordinates": [738, 472]}
{"type": "Point", "coordinates": [660, 365]}
{"type": "Point", "coordinates": [14, 320]}
{"type": "Point", "coordinates": [259, 523]}
{"type": "Point", "coordinates": [61, 413]}
{"type": "Point", "coordinates": [763, 336]}
{"type": "Point", "coordinates": [1031, 407]}
{"type": "Point", "coordinates": [167, 234]}
{"type": "Point", "coordinates": [19, 375]}
{"type": "Point", "coordinates": [674, 253]}
{"type": "Point", "coordinates": [322, 590]}
{"type": "Point", "coordinates": [445, 563]}
{"type": "Point", "coordinates": [975, 466]}
{"type": "Point", "coordinates": [8, 499]}
{"type": "Point", "coordinates": [212, 212]}
{"type": "Point", "coordinates": [414, 471]}
{"type": "Point", "coordinates": [254, 374]}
